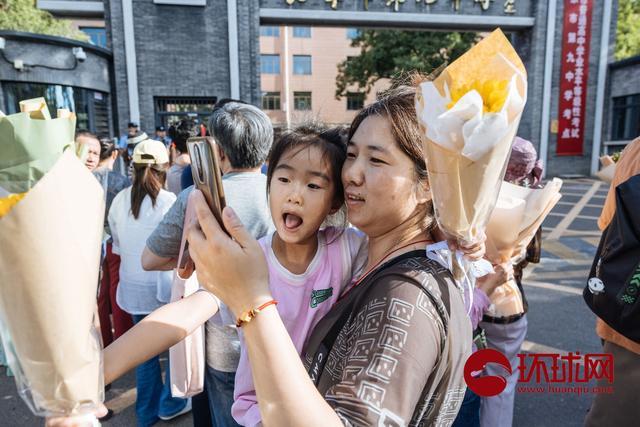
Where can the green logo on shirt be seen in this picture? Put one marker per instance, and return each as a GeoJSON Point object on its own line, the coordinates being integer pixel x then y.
{"type": "Point", "coordinates": [319, 296]}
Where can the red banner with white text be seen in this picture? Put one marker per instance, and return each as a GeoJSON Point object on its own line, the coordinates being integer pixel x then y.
{"type": "Point", "coordinates": [576, 38]}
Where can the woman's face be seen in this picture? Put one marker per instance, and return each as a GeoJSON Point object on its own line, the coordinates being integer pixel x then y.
{"type": "Point", "coordinates": [379, 180]}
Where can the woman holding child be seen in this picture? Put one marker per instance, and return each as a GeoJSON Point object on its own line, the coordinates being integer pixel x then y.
{"type": "Point", "coordinates": [390, 343]}
{"type": "Point", "coordinates": [392, 349]}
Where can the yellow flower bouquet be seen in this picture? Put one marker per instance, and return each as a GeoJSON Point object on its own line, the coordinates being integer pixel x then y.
{"type": "Point", "coordinates": [51, 211]}
{"type": "Point", "coordinates": [470, 114]}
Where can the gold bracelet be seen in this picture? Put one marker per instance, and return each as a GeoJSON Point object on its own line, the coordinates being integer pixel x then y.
{"type": "Point", "coordinates": [248, 315]}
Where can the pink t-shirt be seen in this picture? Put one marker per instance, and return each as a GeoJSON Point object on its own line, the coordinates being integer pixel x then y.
{"type": "Point", "coordinates": [303, 299]}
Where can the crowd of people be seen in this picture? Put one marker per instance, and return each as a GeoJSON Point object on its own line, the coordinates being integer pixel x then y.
{"type": "Point", "coordinates": [313, 315]}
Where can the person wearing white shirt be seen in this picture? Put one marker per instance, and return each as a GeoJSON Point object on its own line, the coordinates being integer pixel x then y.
{"type": "Point", "coordinates": [134, 214]}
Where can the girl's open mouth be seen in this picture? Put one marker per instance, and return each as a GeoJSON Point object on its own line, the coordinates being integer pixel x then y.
{"type": "Point", "coordinates": [291, 221]}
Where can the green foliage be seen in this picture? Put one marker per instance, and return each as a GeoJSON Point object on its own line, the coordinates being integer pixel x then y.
{"type": "Point", "coordinates": [628, 34]}
{"type": "Point", "coordinates": [395, 53]}
{"type": "Point", "coordinates": [23, 15]}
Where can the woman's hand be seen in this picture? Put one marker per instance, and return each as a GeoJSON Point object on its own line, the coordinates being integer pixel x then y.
{"type": "Point", "coordinates": [232, 268]}
{"type": "Point", "coordinates": [472, 251]}
{"type": "Point", "coordinates": [490, 282]}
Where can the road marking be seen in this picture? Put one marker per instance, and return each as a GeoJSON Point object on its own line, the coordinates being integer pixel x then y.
{"type": "Point", "coordinates": [127, 398]}
{"type": "Point", "coordinates": [575, 211]}
{"type": "Point", "coordinates": [122, 401]}
{"type": "Point", "coordinates": [565, 253]}
{"type": "Point", "coordinates": [561, 275]}
{"type": "Point", "coordinates": [551, 286]}
{"type": "Point", "coordinates": [593, 241]}
{"type": "Point", "coordinates": [578, 233]}
{"type": "Point", "coordinates": [589, 217]}
{"type": "Point", "coordinates": [588, 205]}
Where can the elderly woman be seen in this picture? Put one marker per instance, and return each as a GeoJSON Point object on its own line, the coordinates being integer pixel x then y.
{"type": "Point", "coordinates": [392, 350]}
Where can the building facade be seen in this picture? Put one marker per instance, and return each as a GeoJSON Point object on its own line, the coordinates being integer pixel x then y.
{"type": "Point", "coordinates": [298, 69]}
{"type": "Point", "coordinates": [174, 58]}
{"type": "Point", "coordinates": [623, 104]}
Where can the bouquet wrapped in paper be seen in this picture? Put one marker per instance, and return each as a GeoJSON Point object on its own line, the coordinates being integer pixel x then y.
{"type": "Point", "coordinates": [518, 214]}
{"type": "Point", "coordinates": [51, 213]}
{"type": "Point", "coordinates": [470, 114]}
{"type": "Point", "coordinates": [608, 169]}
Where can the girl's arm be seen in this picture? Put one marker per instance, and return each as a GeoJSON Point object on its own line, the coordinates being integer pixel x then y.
{"type": "Point", "coordinates": [165, 327]}
{"type": "Point", "coordinates": [236, 271]}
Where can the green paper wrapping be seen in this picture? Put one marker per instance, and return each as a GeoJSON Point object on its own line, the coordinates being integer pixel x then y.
{"type": "Point", "coordinates": [30, 147]}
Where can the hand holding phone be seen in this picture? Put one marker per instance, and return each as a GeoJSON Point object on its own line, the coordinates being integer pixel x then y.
{"type": "Point", "coordinates": [207, 177]}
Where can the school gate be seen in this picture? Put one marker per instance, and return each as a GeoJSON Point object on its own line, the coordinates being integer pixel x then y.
{"type": "Point", "coordinates": [185, 49]}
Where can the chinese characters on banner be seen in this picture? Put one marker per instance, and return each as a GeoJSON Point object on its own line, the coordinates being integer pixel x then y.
{"type": "Point", "coordinates": [576, 37]}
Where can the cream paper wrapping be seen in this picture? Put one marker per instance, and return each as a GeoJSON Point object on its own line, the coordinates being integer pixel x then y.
{"type": "Point", "coordinates": [608, 169]}
{"type": "Point", "coordinates": [518, 214]}
{"type": "Point", "coordinates": [50, 244]}
{"type": "Point", "coordinates": [466, 147]}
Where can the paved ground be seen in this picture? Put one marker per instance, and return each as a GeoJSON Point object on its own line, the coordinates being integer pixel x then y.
{"type": "Point", "coordinates": [559, 321]}
{"type": "Point", "coordinates": [121, 398]}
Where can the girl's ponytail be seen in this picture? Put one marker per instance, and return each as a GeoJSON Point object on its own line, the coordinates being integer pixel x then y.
{"type": "Point", "coordinates": [148, 180]}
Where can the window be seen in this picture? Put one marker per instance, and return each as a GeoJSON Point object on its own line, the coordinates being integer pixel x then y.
{"type": "Point", "coordinates": [302, 32]}
{"type": "Point", "coordinates": [270, 64]}
{"type": "Point", "coordinates": [353, 33]}
{"type": "Point", "coordinates": [91, 107]}
{"type": "Point", "coordinates": [355, 101]}
{"type": "Point", "coordinates": [271, 100]}
{"type": "Point", "coordinates": [302, 64]}
{"type": "Point", "coordinates": [268, 31]}
{"type": "Point", "coordinates": [169, 110]}
{"type": "Point", "coordinates": [302, 100]}
{"type": "Point", "coordinates": [98, 36]}
{"type": "Point", "coordinates": [626, 117]}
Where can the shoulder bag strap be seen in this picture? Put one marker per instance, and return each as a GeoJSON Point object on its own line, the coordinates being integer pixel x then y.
{"type": "Point", "coordinates": [322, 352]}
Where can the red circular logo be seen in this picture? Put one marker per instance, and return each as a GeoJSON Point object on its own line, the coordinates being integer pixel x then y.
{"type": "Point", "coordinates": [488, 385]}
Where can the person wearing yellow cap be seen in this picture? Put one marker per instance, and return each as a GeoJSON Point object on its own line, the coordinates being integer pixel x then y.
{"type": "Point", "coordinates": [134, 214]}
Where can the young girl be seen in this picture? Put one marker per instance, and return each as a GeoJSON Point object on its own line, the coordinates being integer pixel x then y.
{"type": "Point", "coordinates": [309, 266]}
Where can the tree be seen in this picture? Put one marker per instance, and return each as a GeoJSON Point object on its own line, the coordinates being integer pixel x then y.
{"type": "Point", "coordinates": [628, 34]}
{"type": "Point", "coordinates": [23, 15]}
{"type": "Point", "coordinates": [394, 53]}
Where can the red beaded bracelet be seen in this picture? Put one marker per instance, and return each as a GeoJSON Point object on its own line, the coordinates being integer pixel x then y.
{"type": "Point", "coordinates": [248, 315]}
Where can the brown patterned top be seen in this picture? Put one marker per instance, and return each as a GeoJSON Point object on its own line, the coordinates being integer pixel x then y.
{"type": "Point", "coordinates": [399, 358]}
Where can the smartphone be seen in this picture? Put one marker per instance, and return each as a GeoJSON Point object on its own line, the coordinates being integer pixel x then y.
{"type": "Point", "coordinates": [205, 167]}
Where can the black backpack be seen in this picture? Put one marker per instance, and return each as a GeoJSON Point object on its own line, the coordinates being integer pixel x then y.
{"type": "Point", "coordinates": [613, 288]}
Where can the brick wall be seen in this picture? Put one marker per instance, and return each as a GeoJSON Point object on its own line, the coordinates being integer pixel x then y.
{"type": "Point", "coordinates": [183, 51]}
